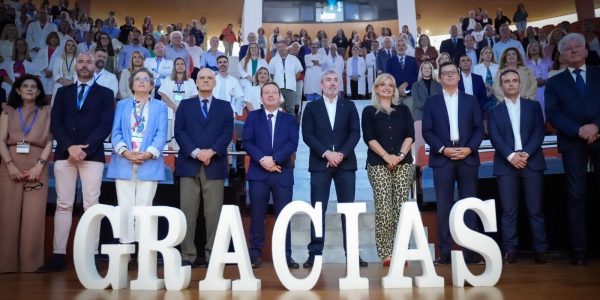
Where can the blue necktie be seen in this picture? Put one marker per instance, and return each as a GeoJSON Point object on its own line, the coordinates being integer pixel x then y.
{"type": "Point", "coordinates": [205, 108]}
{"type": "Point", "coordinates": [270, 123]}
{"type": "Point", "coordinates": [579, 82]}
{"type": "Point", "coordinates": [401, 62]}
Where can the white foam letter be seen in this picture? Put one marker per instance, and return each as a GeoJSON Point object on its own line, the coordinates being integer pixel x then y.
{"type": "Point", "coordinates": [352, 281]}
{"type": "Point", "coordinates": [475, 241]}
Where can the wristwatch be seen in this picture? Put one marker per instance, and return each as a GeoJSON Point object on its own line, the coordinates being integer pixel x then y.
{"type": "Point", "coordinates": [42, 161]}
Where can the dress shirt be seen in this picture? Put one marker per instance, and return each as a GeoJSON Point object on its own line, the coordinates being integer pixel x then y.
{"type": "Point", "coordinates": [331, 107]}
{"type": "Point", "coordinates": [107, 79]}
{"type": "Point", "coordinates": [467, 80]}
{"type": "Point", "coordinates": [209, 60]}
{"type": "Point", "coordinates": [88, 84]}
{"type": "Point", "coordinates": [583, 73]}
{"type": "Point", "coordinates": [514, 113]}
{"type": "Point", "coordinates": [171, 52]}
{"type": "Point", "coordinates": [472, 54]}
{"type": "Point", "coordinates": [452, 107]}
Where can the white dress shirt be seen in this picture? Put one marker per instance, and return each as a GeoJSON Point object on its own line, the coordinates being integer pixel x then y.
{"type": "Point", "coordinates": [452, 107]}
{"type": "Point", "coordinates": [331, 107]}
{"type": "Point", "coordinates": [514, 113]}
{"type": "Point", "coordinates": [467, 80]}
{"type": "Point", "coordinates": [583, 73]}
{"type": "Point", "coordinates": [107, 79]}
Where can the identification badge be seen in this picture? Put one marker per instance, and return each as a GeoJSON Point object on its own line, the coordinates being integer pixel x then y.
{"type": "Point", "coordinates": [23, 147]}
{"type": "Point", "coordinates": [178, 98]}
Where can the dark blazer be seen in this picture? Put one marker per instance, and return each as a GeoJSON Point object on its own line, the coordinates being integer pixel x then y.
{"type": "Point", "coordinates": [455, 51]}
{"type": "Point", "coordinates": [409, 74]}
{"type": "Point", "coordinates": [436, 128]}
{"type": "Point", "coordinates": [244, 49]}
{"type": "Point", "coordinates": [420, 95]}
{"type": "Point", "coordinates": [90, 125]}
{"type": "Point", "coordinates": [479, 89]}
{"type": "Point", "coordinates": [257, 142]}
{"type": "Point", "coordinates": [503, 139]}
{"type": "Point", "coordinates": [320, 137]}
{"type": "Point", "coordinates": [431, 52]}
{"type": "Point", "coordinates": [194, 131]}
{"type": "Point", "coordinates": [2, 98]}
{"type": "Point", "coordinates": [382, 58]}
{"type": "Point", "coordinates": [484, 43]}
{"type": "Point", "coordinates": [567, 109]}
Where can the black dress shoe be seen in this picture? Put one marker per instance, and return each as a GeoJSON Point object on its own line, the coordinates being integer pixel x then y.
{"type": "Point", "coordinates": [578, 259]}
{"type": "Point", "coordinates": [443, 260]}
{"type": "Point", "coordinates": [362, 263]}
{"type": "Point", "coordinates": [55, 264]}
{"type": "Point", "coordinates": [257, 262]}
{"type": "Point", "coordinates": [540, 258]}
{"type": "Point", "coordinates": [292, 264]}
{"type": "Point", "coordinates": [309, 262]}
{"type": "Point", "coordinates": [509, 258]}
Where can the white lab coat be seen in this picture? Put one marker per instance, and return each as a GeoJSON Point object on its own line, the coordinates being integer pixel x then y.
{"type": "Point", "coordinates": [58, 72]}
{"type": "Point", "coordinates": [36, 36]}
{"type": "Point", "coordinates": [160, 72]}
{"type": "Point", "coordinates": [362, 70]}
{"type": "Point", "coordinates": [371, 64]}
{"type": "Point", "coordinates": [336, 63]}
{"type": "Point", "coordinates": [285, 77]}
{"type": "Point", "coordinates": [42, 61]}
{"type": "Point", "coordinates": [229, 89]}
{"type": "Point", "coordinates": [245, 83]}
{"type": "Point", "coordinates": [30, 68]}
{"type": "Point", "coordinates": [312, 76]}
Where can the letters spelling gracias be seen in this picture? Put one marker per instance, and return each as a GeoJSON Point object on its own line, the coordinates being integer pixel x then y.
{"type": "Point", "coordinates": [177, 277]}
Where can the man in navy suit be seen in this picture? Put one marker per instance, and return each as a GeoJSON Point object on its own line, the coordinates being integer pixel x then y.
{"type": "Point", "coordinates": [271, 138]}
{"type": "Point", "coordinates": [384, 55]}
{"type": "Point", "coordinates": [516, 128]}
{"type": "Point", "coordinates": [203, 130]}
{"type": "Point", "coordinates": [471, 83]}
{"type": "Point", "coordinates": [405, 70]}
{"type": "Point", "coordinates": [82, 117]}
{"type": "Point", "coordinates": [572, 107]}
{"type": "Point", "coordinates": [454, 45]}
{"type": "Point", "coordinates": [331, 130]}
{"type": "Point", "coordinates": [453, 129]}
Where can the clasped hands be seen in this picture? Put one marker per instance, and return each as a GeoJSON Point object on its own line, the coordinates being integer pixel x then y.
{"type": "Point", "coordinates": [519, 160]}
{"type": "Point", "coordinates": [205, 155]}
{"type": "Point", "coordinates": [333, 158]}
{"type": "Point", "coordinates": [269, 164]}
{"type": "Point", "coordinates": [137, 157]}
{"type": "Point", "coordinates": [457, 153]}
{"type": "Point", "coordinates": [392, 161]}
{"type": "Point", "coordinates": [589, 132]}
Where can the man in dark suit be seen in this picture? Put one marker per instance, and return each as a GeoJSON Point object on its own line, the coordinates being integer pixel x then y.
{"type": "Point", "coordinates": [82, 117]}
{"type": "Point", "coordinates": [384, 55]}
{"type": "Point", "coordinates": [516, 128]}
{"type": "Point", "coordinates": [271, 138]}
{"type": "Point", "coordinates": [203, 130]}
{"type": "Point", "coordinates": [452, 127]}
{"type": "Point", "coordinates": [471, 83]}
{"type": "Point", "coordinates": [489, 39]}
{"type": "Point", "coordinates": [454, 46]}
{"type": "Point", "coordinates": [331, 129]}
{"type": "Point", "coordinates": [405, 70]}
{"type": "Point", "coordinates": [572, 107]}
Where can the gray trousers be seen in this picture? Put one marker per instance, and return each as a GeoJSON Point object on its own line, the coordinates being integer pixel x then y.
{"type": "Point", "coordinates": [211, 191]}
{"type": "Point", "coordinates": [289, 98]}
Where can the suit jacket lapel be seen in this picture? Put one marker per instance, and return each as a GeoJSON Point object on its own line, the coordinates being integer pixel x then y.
{"type": "Point", "coordinates": [505, 118]}
{"type": "Point", "coordinates": [444, 112]}
{"type": "Point", "coordinates": [338, 111]}
{"type": "Point", "coordinates": [150, 123]}
{"type": "Point", "coordinates": [324, 113]}
{"type": "Point", "coordinates": [126, 122]}
{"type": "Point", "coordinates": [568, 77]}
{"type": "Point", "coordinates": [277, 131]}
{"type": "Point", "coordinates": [525, 116]}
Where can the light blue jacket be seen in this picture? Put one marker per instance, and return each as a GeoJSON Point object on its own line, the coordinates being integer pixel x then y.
{"type": "Point", "coordinates": [154, 140]}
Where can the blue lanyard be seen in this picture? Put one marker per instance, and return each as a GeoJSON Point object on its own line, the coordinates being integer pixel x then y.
{"type": "Point", "coordinates": [179, 86]}
{"type": "Point", "coordinates": [69, 65]}
{"type": "Point", "coordinates": [138, 118]}
{"type": "Point", "coordinates": [85, 94]}
{"type": "Point", "coordinates": [26, 129]}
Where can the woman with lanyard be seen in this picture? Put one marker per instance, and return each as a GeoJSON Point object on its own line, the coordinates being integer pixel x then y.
{"type": "Point", "coordinates": [487, 69]}
{"type": "Point", "coordinates": [249, 65]}
{"type": "Point", "coordinates": [63, 70]}
{"type": "Point", "coordinates": [173, 90]}
{"type": "Point", "coordinates": [136, 63]}
{"type": "Point", "coordinates": [138, 136]}
{"type": "Point", "coordinates": [25, 145]}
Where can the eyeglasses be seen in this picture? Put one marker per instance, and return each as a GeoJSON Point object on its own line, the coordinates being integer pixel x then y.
{"type": "Point", "coordinates": [449, 73]}
{"type": "Point", "coordinates": [142, 79]}
{"type": "Point", "coordinates": [33, 186]}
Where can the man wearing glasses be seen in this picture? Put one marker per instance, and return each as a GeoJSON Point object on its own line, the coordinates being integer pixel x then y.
{"type": "Point", "coordinates": [452, 127]}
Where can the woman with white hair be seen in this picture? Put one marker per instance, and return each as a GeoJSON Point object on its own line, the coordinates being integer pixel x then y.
{"type": "Point", "coordinates": [388, 130]}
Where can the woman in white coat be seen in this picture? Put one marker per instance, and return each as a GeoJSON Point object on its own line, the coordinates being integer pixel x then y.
{"type": "Point", "coordinates": [248, 66]}
{"type": "Point", "coordinates": [20, 64]}
{"type": "Point", "coordinates": [371, 64]}
{"type": "Point", "coordinates": [355, 75]}
{"type": "Point", "coordinates": [63, 71]}
{"type": "Point", "coordinates": [312, 76]}
{"type": "Point", "coordinates": [45, 60]}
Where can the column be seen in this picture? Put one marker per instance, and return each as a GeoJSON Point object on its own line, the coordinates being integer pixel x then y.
{"type": "Point", "coordinates": [585, 9]}
{"type": "Point", "coordinates": [251, 17]}
{"type": "Point", "coordinates": [407, 15]}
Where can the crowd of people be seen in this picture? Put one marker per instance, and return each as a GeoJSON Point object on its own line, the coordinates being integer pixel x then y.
{"type": "Point", "coordinates": [63, 71]}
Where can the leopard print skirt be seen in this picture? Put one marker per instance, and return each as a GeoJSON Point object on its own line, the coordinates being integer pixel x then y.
{"type": "Point", "coordinates": [390, 190]}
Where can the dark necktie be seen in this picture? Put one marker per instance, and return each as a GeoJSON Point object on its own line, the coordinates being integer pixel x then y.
{"type": "Point", "coordinates": [579, 82]}
{"type": "Point", "coordinates": [454, 42]}
{"type": "Point", "coordinates": [270, 124]}
{"type": "Point", "coordinates": [389, 53]}
{"type": "Point", "coordinates": [205, 108]}
{"type": "Point", "coordinates": [80, 95]}
{"type": "Point", "coordinates": [402, 62]}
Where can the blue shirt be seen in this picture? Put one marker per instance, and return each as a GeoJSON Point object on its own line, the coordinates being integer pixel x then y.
{"type": "Point", "coordinates": [500, 46]}
{"type": "Point", "coordinates": [113, 32]}
{"type": "Point", "coordinates": [209, 60]}
{"type": "Point", "coordinates": [172, 53]}
{"type": "Point", "coordinates": [125, 55]}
